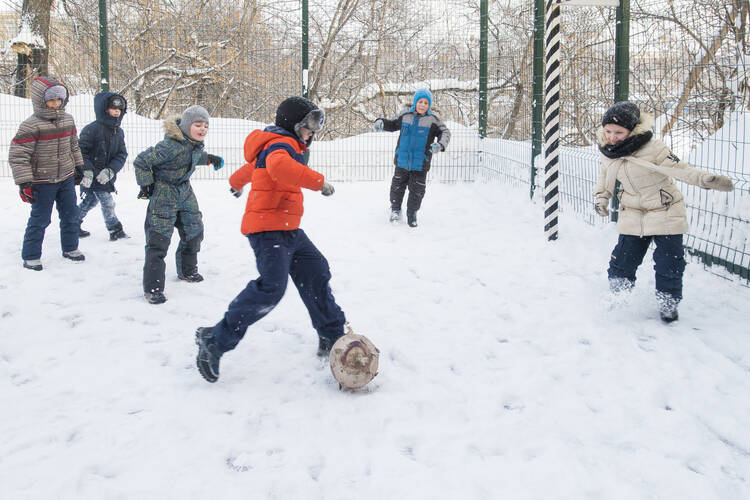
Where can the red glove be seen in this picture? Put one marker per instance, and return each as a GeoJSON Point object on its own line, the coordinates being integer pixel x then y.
{"type": "Point", "coordinates": [25, 191]}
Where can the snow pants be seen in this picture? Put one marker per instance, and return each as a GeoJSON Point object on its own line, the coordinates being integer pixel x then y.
{"type": "Point", "coordinates": [279, 255]}
{"type": "Point", "coordinates": [63, 195]}
{"type": "Point", "coordinates": [669, 260]}
{"type": "Point", "coordinates": [416, 181]}
{"type": "Point", "coordinates": [92, 198]}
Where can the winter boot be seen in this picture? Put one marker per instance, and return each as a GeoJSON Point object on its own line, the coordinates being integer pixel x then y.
{"type": "Point", "coordinates": [191, 278]}
{"type": "Point", "coordinates": [667, 307]}
{"type": "Point", "coordinates": [324, 347]}
{"type": "Point", "coordinates": [74, 255]}
{"type": "Point", "coordinates": [620, 285]}
{"type": "Point", "coordinates": [411, 218]}
{"type": "Point", "coordinates": [155, 297]}
{"type": "Point", "coordinates": [208, 354]}
{"type": "Point", "coordinates": [395, 215]}
{"type": "Point", "coordinates": [34, 264]}
{"type": "Point", "coordinates": [82, 233]}
{"type": "Point", "coordinates": [116, 233]}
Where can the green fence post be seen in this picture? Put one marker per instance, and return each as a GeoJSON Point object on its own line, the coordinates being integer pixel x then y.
{"type": "Point", "coordinates": [538, 90]}
{"type": "Point", "coordinates": [483, 29]}
{"type": "Point", "coordinates": [103, 45]}
{"type": "Point", "coordinates": [622, 72]}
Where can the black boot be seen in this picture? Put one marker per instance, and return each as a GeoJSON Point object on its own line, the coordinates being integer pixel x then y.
{"type": "Point", "coordinates": [411, 218]}
{"type": "Point", "coordinates": [116, 233]}
{"type": "Point", "coordinates": [191, 278]}
{"type": "Point", "coordinates": [82, 233]}
{"type": "Point", "coordinates": [155, 297]}
{"type": "Point", "coordinates": [667, 307]}
{"type": "Point", "coordinates": [395, 215]}
{"type": "Point", "coordinates": [208, 354]}
{"type": "Point", "coordinates": [324, 346]}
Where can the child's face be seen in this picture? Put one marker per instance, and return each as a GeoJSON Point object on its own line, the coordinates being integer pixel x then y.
{"type": "Point", "coordinates": [198, 130]}
{"type": "Point", "coordinates": [53, 103]}
{"type": "Point", "coordinates": [615, 133]}
{"type": "Point", "coordinates": [422, 106]}
{"type": "Point", "coordinates": [114, 113]}
{"type": "Point", "coordinates": [305, 133]}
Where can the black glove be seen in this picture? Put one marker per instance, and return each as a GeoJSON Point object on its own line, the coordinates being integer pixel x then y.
{"type": "Point", "coordinates": [216, 161]}
{"type": "Point", "coordinates": [235, 192]}
{"type": "Point", "coordinates": [146, 192]}
{"type": "Point", "coordinates": [78, 175]}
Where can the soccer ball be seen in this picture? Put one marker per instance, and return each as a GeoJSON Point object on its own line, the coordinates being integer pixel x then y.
{"type": "Point", "coordinates": [354, 361]}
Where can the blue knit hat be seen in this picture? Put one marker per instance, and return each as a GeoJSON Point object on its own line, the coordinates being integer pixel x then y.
{"type": "Point", "coordinates": [422, 94]}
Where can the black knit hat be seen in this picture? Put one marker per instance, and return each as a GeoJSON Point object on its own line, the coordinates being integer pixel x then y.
{"type": "Point", "coordinates": [623, 113]}
{"type": "Point", "coordinates": [296, 112]}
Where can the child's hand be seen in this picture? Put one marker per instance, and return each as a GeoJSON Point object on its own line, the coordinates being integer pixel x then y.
{"type": "Point", "coordinates": [327, 189]}
{"type": "Point", "coordinates": [235, 192]}
{"type": "Point", "coordinates": [600, 207]}
{"type": "Point", "coordinates": [88, 179]}
{"type": "Point", "coordinates": [104, 176]}
{"type": "Point", "coordinates": [717, 182]}
{"type": "Point", "coordinates": [25, 191]}
{"type": "Point", "coordinates": [435, 148]}
{"type": "Point", "coordinates": [146, 192]}
{"type": "Point", "coordinates": [216, 161]}
{"type": "Point", "coordinates": [378, 125]}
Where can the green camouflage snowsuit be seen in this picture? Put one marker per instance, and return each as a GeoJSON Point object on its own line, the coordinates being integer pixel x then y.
{"type": "Point", "coordinates": [168, 165]}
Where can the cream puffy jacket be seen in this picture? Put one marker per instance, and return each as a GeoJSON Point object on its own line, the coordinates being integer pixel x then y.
{"type": "Point", "coordinates": [650, 203]}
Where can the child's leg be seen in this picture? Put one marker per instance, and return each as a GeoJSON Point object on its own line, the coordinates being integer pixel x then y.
{"type": "Point", "coordinates": [417, 188]}
{"type": "Point", "coordinates": [669, 264]}
{"type": "Point", "coordinates": [311, 275]}
{"type": "Point", "coordinates": [89, 201]}
{"type": "Point", "coordinates": [39, 219]}
{"type": "Point", "coordinates": [190, 226]}
{"type": "Point", "coordinates": [67, 210]}
{"type": "Point", "coordinates": [398, 187]}
{"type": "Point", "coordinates": [627, 256]}
{"type": "Point", "coordinates": [273, 254]}
{"type": "Point", "coordinates": [160, 219]}
{"type": "Point", "coordinates": [108, 209]}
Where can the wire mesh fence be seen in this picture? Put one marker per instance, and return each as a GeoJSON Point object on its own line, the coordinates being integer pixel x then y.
{"type": "Point", "coordinates": [688, 65]}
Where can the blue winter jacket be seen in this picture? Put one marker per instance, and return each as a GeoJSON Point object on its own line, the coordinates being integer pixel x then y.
{"type": "Point", "coordinates": [102, 142]}
{"type": "Point", "coordinates": [418, 132]}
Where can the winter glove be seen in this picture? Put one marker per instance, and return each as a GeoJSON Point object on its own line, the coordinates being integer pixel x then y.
{"type": "Point", "coordinates": [216, 161]}
{"type": "Point", "coordinates": [78, 175]}
{"type": "Point", "coordinates": [327, 189]}
{"type": "Point", "coordinates": [435, 148]}
{"type": "Point", "coordinates": [146, 192]}
{"type": "Point", "coordinates": [25, 191]}
{"type": "Point", "coordinates": [600, 207]}
{"type": "Point", "coordinates": [378, 125]}
{"type": "Point", "coordinates": [235, 192]}
{"type": "Point", "coordinates": [717, 182]}
{"type": "Point", "coordinates": [88, 178]}
{"type": "Point", "coordinates": [105, 176]}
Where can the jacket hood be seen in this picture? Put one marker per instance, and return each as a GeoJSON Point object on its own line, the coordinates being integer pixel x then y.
{"type": "Point", "coordinates": [38, 86]}
{"type": "Point", "coordinates": [172, 130]}
{"type": "Point", "coordinates": [645, 125]}
{"type": "Point", "coordinates": [258, 139]}
{"type": "Point", "coordinates": [100, 109]}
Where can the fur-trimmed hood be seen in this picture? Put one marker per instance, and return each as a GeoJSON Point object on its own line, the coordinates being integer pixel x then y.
{"type": "Point", "coordinates": [645, 125]}
{"type": "Point", "coordinates": [172, 128]}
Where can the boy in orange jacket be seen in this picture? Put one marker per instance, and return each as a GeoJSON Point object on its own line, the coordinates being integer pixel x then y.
{"type": "Point", "coordinates": [276, 167]}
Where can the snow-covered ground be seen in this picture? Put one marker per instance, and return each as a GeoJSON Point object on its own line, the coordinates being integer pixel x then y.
{"type": "Point", "coordinates": [506, 370]}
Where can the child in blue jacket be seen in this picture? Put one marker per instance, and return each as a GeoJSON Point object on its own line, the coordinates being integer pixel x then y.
{"type": "Point", "coordinates": [419, 128]}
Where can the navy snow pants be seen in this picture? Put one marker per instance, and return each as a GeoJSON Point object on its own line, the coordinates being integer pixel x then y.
{"type": "Point", "coordinates": [279, 255]}
{"type": "Point", "coordinates": [669, 260]}
{"type": "Point", "coordinates": [63, 195]}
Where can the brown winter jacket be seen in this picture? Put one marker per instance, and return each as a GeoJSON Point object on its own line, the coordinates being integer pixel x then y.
{"type": "Point", "coordinates": [650, 202]}
{"type": "Point", "coordinates": [45, 148]}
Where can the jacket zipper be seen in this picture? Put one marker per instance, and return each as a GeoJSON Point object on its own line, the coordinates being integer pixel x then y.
{"type": "Point", "coordinates": [627, 174]}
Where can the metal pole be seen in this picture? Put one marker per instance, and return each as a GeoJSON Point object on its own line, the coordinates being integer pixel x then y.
{"type": "Point", "coordinates": [551, 119]}
{"type": "Point", "coordinates": [538, 103]}
{"type": "Point", "coordinates": [483, 29]}
{"type": "Point", "coordinates": [305, 49]}
{"type": "Point", "coordinates": [622, 73]}
{"type": "Point", "coordinates": [103, 45]}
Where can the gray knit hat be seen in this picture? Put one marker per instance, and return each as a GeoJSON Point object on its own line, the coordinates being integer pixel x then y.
{"type": "Point", "coordinates": [55, 92]}
{"type": "Point", "coordinates": [190, 115]}
{"type": "Point", "coordinates": [623, 113]}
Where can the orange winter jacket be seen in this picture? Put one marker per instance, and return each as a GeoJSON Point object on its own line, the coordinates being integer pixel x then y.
{"type": "Point", "coordinates": [275, 202]}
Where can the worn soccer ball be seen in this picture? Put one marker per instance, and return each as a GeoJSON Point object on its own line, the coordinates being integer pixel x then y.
{"type": "Point", "coordinates": [354, 361]}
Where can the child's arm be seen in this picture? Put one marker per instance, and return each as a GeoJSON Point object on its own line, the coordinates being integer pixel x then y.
{"type": "Point", "coordinates": [392, 125]}
{"type": "Point", "coordinates": [147, 160]}
{"type": "Point", "coordinates": [286, 170]}
{"type": "Point", "coordinates": [668, 164]}
{"type": "Point", "coordinates": [442, 133]}
{"type": "Point", "coordinates": [77, 157]}
{"type": "Point", "coordinates": [118, 161]}
{"type": "Point", "coordinates": [22, 149]}
{"type": "Point", "coordinates": [601, 193]}
{"type": "Point", "coordinates": [86, 145]}
{"type": "Point", "coordinates": [241, 177]}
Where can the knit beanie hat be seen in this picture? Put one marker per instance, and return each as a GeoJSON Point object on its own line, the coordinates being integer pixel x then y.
{"type": "Point", "coordinates": [55, 92]}
{"type": "Point", "coordinates": [624, 113]}
{"type": "Point", "coordinates": [422, 94]}
{"type": "Point", "coordinates": [191, 115]}
{"type": "Point", "coordinates": [297, 112]}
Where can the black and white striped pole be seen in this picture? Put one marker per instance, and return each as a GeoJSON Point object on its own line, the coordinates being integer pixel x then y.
{"type": "Point", "coordinates": [552, 108]}
{"type": "Point", "coordinates": [551, 117]}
